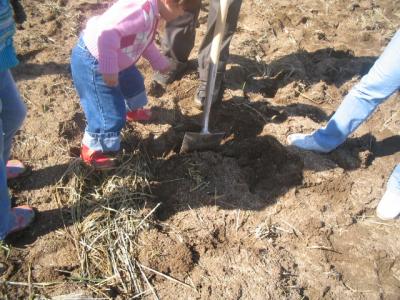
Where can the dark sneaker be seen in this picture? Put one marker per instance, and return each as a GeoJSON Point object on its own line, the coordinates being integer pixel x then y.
{"type": "Point", "coordinates": [177, 68]}
{"type": "Point", "coordinates": [201, 93]}
{"type": "Point", "coordinates": [97, 159]}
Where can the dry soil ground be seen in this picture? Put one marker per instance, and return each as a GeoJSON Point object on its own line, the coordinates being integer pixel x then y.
{"type": "Point", "coordinates": [253, 219]}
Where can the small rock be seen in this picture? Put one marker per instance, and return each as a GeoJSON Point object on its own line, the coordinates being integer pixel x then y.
{"type": "Point", "coordinates": [3, 268]}
{"type": "Point", "coordinates": [321, 35]}
{"type": "Point", "coordinates": [353, 6]}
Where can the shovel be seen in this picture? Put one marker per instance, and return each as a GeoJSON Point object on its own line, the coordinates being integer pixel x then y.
{"type": "Point", "coordinates": [205, 140]}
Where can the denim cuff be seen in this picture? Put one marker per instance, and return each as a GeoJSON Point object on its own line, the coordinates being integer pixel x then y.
{"type": "Point", "coordinates": [104, 142]}
{"type": "Point", "coordinates": [327, 139]}
{"type": "Point", "coordinates": [394, 180]}
{"type": "Point", "coordinates": [136, 102]}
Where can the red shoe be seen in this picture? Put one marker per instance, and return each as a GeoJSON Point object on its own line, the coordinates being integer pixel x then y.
{"type": "Point", "coordinates": [22, 216]}
{"type": "Point", "coordinates": [141, 114]}
{"type": "Point", "coordinates": [97, 159]}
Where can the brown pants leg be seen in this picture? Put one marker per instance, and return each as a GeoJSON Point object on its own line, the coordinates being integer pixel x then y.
{"type": "Point", "coordinates": [179, 36]}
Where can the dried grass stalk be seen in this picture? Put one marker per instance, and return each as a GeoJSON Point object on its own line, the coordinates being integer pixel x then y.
{"type": "Point", "coordinates": [108, 214]}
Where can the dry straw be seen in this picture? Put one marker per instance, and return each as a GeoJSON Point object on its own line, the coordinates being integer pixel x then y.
{"type": "Point", "coordinates": [107, 216]}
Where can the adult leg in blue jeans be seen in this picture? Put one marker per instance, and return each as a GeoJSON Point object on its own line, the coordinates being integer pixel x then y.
{"type": "Point", "coordinates": [381, 81]}
{"type": "Point", "coordinates": [12, 115]}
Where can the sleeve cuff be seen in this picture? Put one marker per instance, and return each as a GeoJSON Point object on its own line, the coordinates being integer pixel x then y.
{"type": "Point", "coordinates": [160, 64]}
{"type": "Point", "coordinates": [108, 64]}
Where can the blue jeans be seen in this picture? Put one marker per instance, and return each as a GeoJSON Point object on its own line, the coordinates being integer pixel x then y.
{"type": "Point", "coordinates": [394, 180]}
{"type": "Point", "coordinates": [12, 115]}
{"type": "Point", "coordinates": [104, 107]}
{"type": "Point", "coordinates": [374, 88]}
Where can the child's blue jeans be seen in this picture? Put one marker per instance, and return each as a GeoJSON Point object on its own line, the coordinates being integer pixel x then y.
{"type": "Point", "coordinates": [12, 115]}
{"type": "Point", "coordinates": [381, 81]}
{"type": "Point", "coordinates": [104, 106]}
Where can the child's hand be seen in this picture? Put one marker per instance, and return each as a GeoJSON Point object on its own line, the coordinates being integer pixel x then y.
{"type": "Point", "coordinates": [166, 69]}
{"type": "Point", "coordinates": [111, 79]}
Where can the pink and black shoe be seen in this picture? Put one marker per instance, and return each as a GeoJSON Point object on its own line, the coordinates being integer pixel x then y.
{"type": "Point", "coordinates": [22, 217]}
{"type": "Point", "coordinates": [141, 114]}
{"type": "Point", "coordinates": [16, 169]}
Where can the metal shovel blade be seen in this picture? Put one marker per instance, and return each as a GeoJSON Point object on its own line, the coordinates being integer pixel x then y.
{"type": "Point", "coordinates": [193, 141]}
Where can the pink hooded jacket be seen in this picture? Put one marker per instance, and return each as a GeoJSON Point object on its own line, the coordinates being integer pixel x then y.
{"type": "Point", "coordinates": [124, 33]}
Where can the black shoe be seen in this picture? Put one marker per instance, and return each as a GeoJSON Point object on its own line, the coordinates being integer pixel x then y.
{"type": "Point", "coordinates": [200, 97]}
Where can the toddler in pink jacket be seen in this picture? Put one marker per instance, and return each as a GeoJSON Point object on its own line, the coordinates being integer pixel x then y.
{"type": "Point", "coordinates": [110, 87]}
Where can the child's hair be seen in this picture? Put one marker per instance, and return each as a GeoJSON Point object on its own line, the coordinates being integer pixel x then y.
{"type": "Point", "coordinates": [188, 5]}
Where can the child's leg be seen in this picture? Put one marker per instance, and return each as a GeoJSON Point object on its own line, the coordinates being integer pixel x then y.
{"type": "Point", "coordinates": [9, 102]}
{"type": "Point", "coordinates": [104, 106]}
{"type": "Point", "coordinates": [13, 112]}
{"type": "Point", "coordinates": [133, 89]}
{"type": "Point", "coordinates": [381, 81]}
{"type": "Point", "coordinates": [5, 204]}
{"type": "Point", "coordinates": [13, 115]}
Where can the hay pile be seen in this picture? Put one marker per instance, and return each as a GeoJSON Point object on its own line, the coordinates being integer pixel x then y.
{"type": "Point", "coordinates": [108, 212]}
